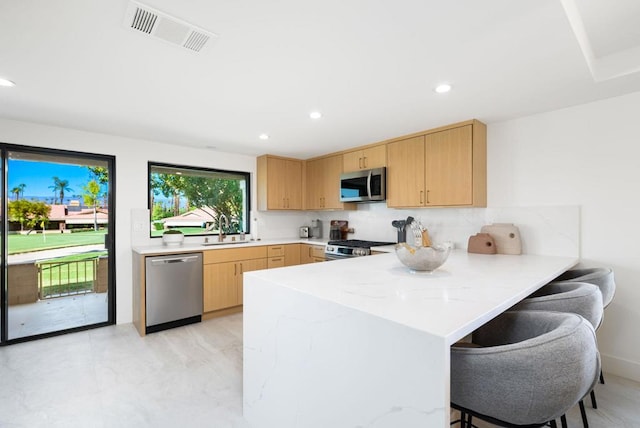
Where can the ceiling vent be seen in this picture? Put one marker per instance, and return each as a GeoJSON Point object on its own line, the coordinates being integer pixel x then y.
{"type": "Point", "coordinates": [147, 20]}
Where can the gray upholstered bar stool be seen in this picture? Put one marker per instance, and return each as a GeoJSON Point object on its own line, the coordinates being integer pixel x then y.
{"type": "Point", "coordinates": [602, 278]}
{"type": "Point", "coordinates": [574, 297]}
{"type": "Point", "coordinates": [527, 370]}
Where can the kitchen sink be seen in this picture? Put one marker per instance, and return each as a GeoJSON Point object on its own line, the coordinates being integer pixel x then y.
{"type": "Point", "coordinates": [212, 243]}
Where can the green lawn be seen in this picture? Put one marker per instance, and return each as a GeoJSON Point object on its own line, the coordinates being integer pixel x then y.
{"type": "Point", "coordinates": [36, 241]}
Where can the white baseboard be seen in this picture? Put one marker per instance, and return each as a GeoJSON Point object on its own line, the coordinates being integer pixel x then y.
{"type": "Point", "coordinates": [621, 367]}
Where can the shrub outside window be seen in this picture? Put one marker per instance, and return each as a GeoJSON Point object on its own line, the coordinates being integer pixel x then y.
{"type": "Point", "coordinates": [193, 200]}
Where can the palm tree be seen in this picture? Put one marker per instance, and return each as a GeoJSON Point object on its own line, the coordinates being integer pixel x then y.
{"type": "Point", "coordinates": [59, 187]}
{"type": "Point", "coordinates": [91, 198]}
{"type": "Point", "coordinates": [18, 191]}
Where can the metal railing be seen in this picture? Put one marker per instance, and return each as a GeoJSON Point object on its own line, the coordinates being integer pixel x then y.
{"type": "Point", "coordinates": [58, 279]}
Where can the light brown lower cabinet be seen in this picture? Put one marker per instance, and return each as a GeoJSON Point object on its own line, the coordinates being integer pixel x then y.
{"type": "Point", "coordinates": [292, 254]}
{"type": "Point", "coordinates": [223, 283]}
{"type": "Point", "coordinates": [311, 253]}
{"type": "Point", "coordinates": [222, 275]}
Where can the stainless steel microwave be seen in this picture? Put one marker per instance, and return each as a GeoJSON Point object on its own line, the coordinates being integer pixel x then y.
{"type": "Point", "coordinates": [364, 186]}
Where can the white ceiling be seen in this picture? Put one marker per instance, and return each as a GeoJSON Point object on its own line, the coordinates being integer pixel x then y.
{"type": "Point", "coordinates": [368, 65]}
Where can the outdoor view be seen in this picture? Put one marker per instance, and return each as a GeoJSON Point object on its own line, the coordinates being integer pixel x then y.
{"type": "Point", "coordinates": [197, 201]}
{"type": "Point", "coordinates": [57, 212]}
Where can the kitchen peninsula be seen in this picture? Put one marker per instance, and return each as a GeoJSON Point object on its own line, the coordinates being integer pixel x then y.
{"type": "Point", "coordinates": [365, 342]}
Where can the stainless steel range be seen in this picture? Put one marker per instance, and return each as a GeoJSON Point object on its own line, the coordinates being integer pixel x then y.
{"type": "Point", "coordinates": [342, 249]}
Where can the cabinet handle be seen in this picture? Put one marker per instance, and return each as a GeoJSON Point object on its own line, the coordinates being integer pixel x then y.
{"type": "Point", "coordinates": [360, 163]}
{"type": "Point", "coordinates": [309, 252]}
{"type": "Point", "coordinates": [284, 203]}
{"type": "Point", "coordinates": [240, 268]}
{"type": "Point", "coordinates": [364, 161]}
{"type": "Point", "coordinates": [421, 197]}
{"type": "Point", "coordinates": [428, 196]}
{"type": "Point", "coordinates": [276, 248]}
{"type": "Point", "coordinates": [235, 269]}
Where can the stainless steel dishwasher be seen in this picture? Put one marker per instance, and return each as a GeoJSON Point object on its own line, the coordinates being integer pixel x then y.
{"type": "Point", "coordinates": [173, 291]}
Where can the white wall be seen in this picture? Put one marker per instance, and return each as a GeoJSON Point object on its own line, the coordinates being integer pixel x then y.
{"type": "Point", "coordinates": [586, 155]}
{"type": "Point", "coordinates": [131, 179]}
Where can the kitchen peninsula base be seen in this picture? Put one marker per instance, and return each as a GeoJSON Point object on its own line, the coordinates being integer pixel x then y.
{"type": "Point", "coordinates": [364, 342]}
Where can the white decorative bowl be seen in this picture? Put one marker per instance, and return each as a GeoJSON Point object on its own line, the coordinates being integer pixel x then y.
{"type": "Point", "coordinates": [422, 258]}
{"type": "Point", "coordinates": [172, 239]}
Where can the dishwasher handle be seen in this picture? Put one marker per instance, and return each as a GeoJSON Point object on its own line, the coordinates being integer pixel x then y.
{"type": "Point", "coordinates": [186, 259]}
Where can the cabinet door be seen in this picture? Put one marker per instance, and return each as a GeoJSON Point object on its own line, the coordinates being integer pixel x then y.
{"type": "Point", "coordinates": [314, 183]}
{"type": "Point", "coordinates": [293, 184]}
{"type": "Point", "coordinates": [332, 168]}
{"type": "Point", "coordinates": [291, 254]}
{"type": "Point", "coordinates": [352, 161]}
{"type": "Point", "coordinates": [276, 183]}
{"type": "Point", "coordinates": [305, 254]}
{"type": "Point", "coordinates": [449, 167]}
{"type": "Point", "coordinates": [247, 266]}
{"type": "Point", "coordinates": [220, 286]}
{"type": "Point", "coordinates": [406, 173]}
{"type": "Point", "coordinates": [374, 157]}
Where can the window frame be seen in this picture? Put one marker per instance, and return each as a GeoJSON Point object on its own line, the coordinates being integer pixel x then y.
{"type": "Point", "coordinates": [207, 170]}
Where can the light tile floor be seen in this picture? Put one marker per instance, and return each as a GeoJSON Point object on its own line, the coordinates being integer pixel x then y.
{"type": "Point", "coordinates": [186, 377]}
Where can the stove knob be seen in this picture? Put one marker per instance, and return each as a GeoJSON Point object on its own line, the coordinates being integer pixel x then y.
{"type": "Point", "coordinates": [329, 248]}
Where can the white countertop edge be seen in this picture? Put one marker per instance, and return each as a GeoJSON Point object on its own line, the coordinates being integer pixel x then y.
{"type": "Point", "coordinates": [469, 302]}
{"type": "Point", "coordinates": [190, 247]}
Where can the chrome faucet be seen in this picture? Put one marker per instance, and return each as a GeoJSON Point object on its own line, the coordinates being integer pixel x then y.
{"type": "Point", "coordinates": [221, 230]}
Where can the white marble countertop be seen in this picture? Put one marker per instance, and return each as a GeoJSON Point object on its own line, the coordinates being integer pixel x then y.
{"type": "Point", "coordinates": [465, 293]}
{"type": "Point", "coordinates": [193, 246]}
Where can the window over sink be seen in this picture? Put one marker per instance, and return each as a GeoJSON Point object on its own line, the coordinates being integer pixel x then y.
{"type": "Point", "coordinates": [193, 200]}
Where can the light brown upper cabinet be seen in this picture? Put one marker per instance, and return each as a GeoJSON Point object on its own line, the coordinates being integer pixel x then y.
{"type": "Point", "coordinates": [279, 183]}
{"type": "Point", "coordinates": [443, 167]}
{"type": "Point", "coordinates": [367, 158]}
{"type": "Point", "coordinates": [323, 184]}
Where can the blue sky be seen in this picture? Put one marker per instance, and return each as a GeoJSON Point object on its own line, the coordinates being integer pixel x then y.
{"type": "Point", "coordinates": [38, 176]}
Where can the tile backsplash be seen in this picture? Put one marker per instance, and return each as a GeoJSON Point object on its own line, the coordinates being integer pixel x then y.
{"type": "Point", "coordinates": [550, 230]}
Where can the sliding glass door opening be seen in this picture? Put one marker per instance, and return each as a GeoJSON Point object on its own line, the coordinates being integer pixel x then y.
{"type": "Point", "coordinates": [57, 242]}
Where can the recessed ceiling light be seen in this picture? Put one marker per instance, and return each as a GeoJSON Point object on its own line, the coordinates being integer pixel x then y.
{"type": "Point", "coordinates": [443, 88]}
{"type": "Point", "coordinates": [6, 82]}
{"type": "Point", "coordinates": [315, 115]}
{"type": "Point", "coordinates": [264, 136]}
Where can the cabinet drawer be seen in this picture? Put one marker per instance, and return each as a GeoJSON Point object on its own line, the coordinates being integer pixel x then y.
{"type": "Point", "coordinates": [274, 262]}
{"type": "Point", "coordinates": [275, 250]}
{"type": "Point", "coordinates": [234, 254]}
